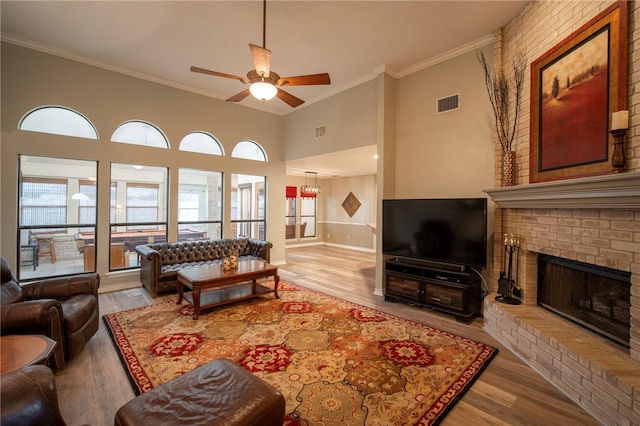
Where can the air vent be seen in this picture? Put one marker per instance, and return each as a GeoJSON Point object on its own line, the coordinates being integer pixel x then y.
{"type": "Point", "coordinates": [320, 131]}
{"type": "Point", "coordinates": [450, 103]}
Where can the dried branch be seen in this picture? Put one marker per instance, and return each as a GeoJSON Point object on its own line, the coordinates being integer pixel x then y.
{"type": "Point", "coordinates": [499, 91]}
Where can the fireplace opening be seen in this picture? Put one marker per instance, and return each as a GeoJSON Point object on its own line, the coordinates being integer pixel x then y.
{"type": "Point", "coordinates": [593, 296]}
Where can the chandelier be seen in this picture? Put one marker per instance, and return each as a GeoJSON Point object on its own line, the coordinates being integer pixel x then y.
{"type": "Point", "coordinates": [307, 190]}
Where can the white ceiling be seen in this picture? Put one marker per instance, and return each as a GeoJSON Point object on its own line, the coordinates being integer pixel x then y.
{"type": "Point", "coordinates": [351, 162]}
{"type": "Point", "coordinates": [351, 40]}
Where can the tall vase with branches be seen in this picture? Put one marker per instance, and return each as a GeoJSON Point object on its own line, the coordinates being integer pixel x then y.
{"type": "Point", "coordinates": [500, 90]}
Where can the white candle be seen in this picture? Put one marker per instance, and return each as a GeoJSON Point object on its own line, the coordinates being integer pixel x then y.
{"type": "Point", "coordinates": [620, 120]}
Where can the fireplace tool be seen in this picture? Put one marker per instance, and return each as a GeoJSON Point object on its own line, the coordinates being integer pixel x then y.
{"type": "Point", "coordinates": [506, 283]}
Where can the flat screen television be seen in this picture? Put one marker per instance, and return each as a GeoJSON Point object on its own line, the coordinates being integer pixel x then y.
{"type": "Point", "coordinates": [450, 231]}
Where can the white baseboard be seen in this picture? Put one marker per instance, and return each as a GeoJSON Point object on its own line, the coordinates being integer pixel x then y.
{"type": "Point", "coordinates": [119, 280]}
{"type": "Point", "coordinates": [119, 286]}
{"type": "Point", "coordinates": [322, 243]}
{"type": "Point", "coordinates": [368, 250]}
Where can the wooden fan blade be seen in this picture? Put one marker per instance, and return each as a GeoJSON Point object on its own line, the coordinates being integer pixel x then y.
{"type": "Point", "coordinates": [289, 98]}
{"type": "Point", "coordinates": [305, 80]}
{"type": "Point", "coordinates": [219, 74]}
{"type": "Point", "coordinates": [239, 96]}
{"type": "Point", "coordinates": [261, 59]}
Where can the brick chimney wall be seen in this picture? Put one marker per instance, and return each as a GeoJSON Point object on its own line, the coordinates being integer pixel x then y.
{"type": "Point", "coordinates": [598, 375]}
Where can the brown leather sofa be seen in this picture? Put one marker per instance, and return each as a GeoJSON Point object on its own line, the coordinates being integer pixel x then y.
{"type": "Point", "coordinates": [160, 263]}
{"type": "Point", "coordinates": [28, 397]}
{"type": "Point", "coordinates": [64, 309]}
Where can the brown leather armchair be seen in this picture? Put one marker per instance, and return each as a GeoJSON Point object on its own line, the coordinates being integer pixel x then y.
{"type": "Point", "coordinates": [28, 397]}
{"type": "Point", "coordinates": [65, 309]}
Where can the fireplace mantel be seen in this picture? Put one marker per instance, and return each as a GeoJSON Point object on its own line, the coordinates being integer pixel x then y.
{"type": "Point", "coordinates": [614, 191]}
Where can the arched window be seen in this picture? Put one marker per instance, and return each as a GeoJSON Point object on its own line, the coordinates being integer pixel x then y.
{"type": "Point", "coordinates": [140, 133]}
{"type": "Point", "coordinates": [58, 120]}
{"type": "Point", "coordinates": [249, 150]}
{"type": "Point", "coordinates": [201, 142]}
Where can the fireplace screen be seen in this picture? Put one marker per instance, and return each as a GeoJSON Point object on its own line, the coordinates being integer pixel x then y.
{"type": "Point", "coordinates": [593, 296]}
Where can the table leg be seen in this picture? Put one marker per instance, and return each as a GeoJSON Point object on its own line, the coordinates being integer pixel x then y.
{"type": "Point", "coordinates": [276, 280]}
{"type": "Point", "coordinates": [196, 302]}
{"type": "Point", "coordinates": [179, 288]}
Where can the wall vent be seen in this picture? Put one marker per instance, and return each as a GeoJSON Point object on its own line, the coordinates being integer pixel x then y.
{"type": "Point", "coordinates": [449, 103]}
{"type": "Point", "coordinates": [320, 131]}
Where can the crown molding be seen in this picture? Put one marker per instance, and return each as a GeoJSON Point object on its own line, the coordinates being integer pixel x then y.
{"type": "Point", "coordinates": [396, 74]}
{"type": "Point", "coordinates": [465, 48]}
{"type": "Point", "coordinates": [104, 65]}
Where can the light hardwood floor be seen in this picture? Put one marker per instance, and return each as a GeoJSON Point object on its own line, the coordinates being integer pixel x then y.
{"type": "Point", "coordinates": [94, 385]}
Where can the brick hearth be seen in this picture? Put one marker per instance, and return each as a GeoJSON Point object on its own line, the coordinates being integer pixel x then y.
{"type": "Point", "coordinates": [600, 376]}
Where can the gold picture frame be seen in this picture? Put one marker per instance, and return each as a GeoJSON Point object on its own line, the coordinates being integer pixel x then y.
{"type": "Point", "coordinates": [575, 88]}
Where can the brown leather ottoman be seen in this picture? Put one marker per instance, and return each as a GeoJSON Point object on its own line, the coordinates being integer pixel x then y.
{"type": "Point", "coordinates": [217, 393]}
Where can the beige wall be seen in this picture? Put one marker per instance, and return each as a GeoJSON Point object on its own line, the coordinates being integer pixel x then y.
{"type": "Point", "coordinates": [334, 226]}
{"type": "Point", "coordinates": [338, 227]}
{"type": "Point", "coordinates": [349, 118]}
{"type": "Point", "coordinates": [31, 79]}
{"type": "Point", "coordinates": [449, 154]}
{"type": "Point", "coordinates": [423, 154]}
{"type": "Point", "coordinates": [361, 116]}
{"type": "Point", "coordinates": [386, 173]}
{"type": "Point", "coordinates": [397, 115]}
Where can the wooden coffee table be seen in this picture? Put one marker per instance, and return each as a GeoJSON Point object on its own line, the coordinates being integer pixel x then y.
{"type": "Point", "coordinates": [212, 286]}
{"type": "Point", "coordinates": [21, 350]}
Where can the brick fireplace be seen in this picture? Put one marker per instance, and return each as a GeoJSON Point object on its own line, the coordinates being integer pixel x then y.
{"type": "Point", "coordinates": [595, 220]}
{"type": "Point", "coordinates": [592, 220]}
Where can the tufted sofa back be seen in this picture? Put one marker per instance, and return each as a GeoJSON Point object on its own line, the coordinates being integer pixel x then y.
{"type": "Point", "coordinates": [201, 250]}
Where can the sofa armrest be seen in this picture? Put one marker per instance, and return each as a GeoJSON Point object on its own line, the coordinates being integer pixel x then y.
{"type": "Point", "coordinates": [36, 317]}
{"type": "Point", "coordinates": [147, 252]}
{"type": "Point", "coordinates": [29, 396]}
{"type": "Point", "coordinates": [62, 288]}
{"type": "Point", "coordinates": [30, 316]}
{"type": "Point", "coordinates": [150, 266]}
{"type": "Point", "coordinates": [260, 248]}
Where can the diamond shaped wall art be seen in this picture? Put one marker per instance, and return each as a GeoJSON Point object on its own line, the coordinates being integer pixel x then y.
{"type": "Point", "coordinates": [351, 204]}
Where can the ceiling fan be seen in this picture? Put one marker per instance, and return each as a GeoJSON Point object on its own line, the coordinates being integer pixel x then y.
{"type": "Point", "coordinates": [263, 83]}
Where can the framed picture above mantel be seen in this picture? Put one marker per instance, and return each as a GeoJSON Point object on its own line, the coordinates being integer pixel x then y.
{"type": "Point", "coordinates": [575, 88]}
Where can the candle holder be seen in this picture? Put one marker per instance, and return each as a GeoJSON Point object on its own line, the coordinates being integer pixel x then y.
{"type": "Point", "coordinates": [618, 160]}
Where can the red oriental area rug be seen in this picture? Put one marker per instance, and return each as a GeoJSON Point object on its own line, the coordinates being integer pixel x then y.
{"type": "Point", "coordinates": [336, 362]}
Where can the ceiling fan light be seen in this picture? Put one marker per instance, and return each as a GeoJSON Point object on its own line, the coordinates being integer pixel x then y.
{"type": "Point", "coordinates": [263, 90]}
{"type": "Point", "coordinates": [80, 196]}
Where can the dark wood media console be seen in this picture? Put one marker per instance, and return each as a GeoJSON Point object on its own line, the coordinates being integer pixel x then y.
{"type": "Point", "coordinates": [453, 292]}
